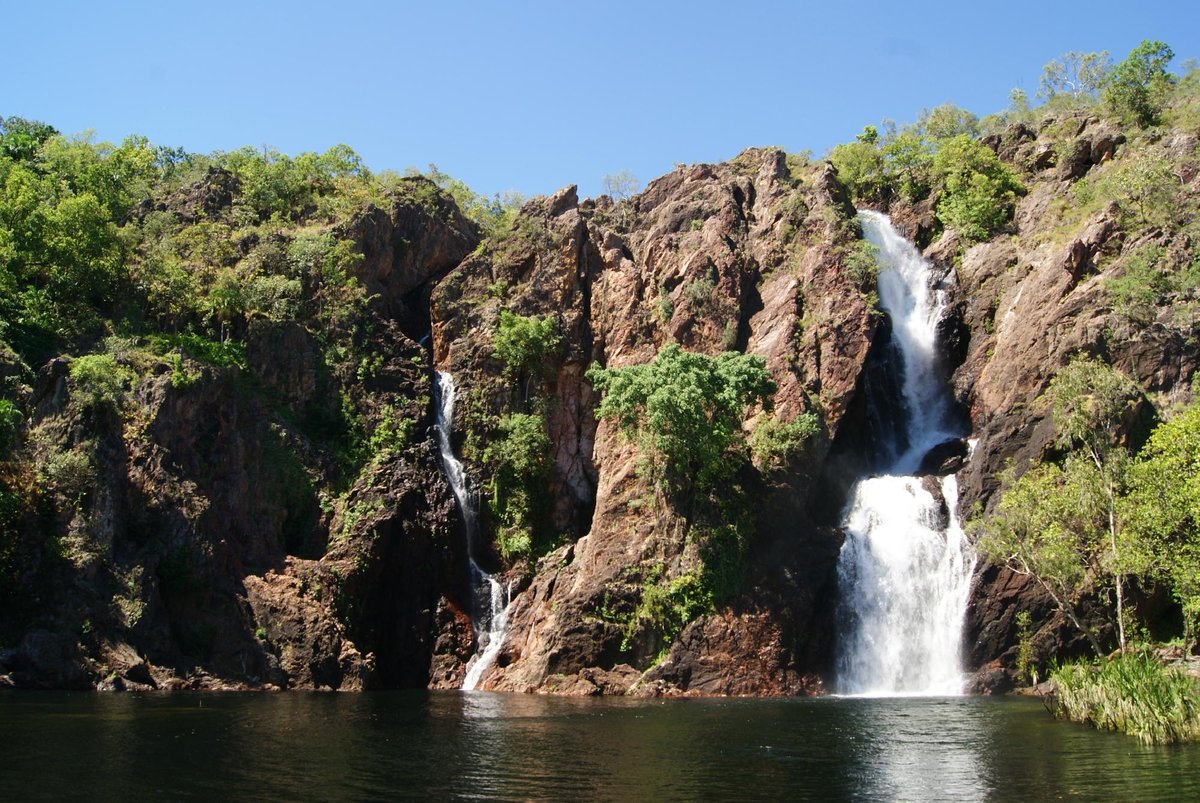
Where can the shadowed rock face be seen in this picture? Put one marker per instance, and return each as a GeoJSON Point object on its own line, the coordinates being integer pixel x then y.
{"type": "Point", "coordinates": [196, 550]}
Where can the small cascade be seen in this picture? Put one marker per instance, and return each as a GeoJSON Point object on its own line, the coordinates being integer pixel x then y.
{"type": "Point", "coordinates": [490, 598]}
{"type": "Point", "coordinates": [905, 569]}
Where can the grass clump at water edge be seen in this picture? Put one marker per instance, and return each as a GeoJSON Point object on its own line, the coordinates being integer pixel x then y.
{"type": "Point", "coordinates": [1132, 692]}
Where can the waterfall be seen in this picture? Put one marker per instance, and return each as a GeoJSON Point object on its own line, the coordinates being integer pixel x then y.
{"type": "Point", "coordinates": [905, 569]}
{"type": "Point", "coordinates": [490, 599]}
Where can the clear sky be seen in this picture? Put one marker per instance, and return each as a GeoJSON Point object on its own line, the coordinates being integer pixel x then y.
{"type": "Point", "coordinates": [536, 95]}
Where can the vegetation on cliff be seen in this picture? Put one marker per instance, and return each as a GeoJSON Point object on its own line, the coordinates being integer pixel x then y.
{"type": "Point", "coordinates": [215, 393]}
{"type": "Point", "coordinates": [199, 377]}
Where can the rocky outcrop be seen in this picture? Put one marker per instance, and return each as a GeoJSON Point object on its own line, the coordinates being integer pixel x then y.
{"type": "Point", "coordinates": [200, 536]}
{"type": "Point", "coordinates": [407, 246]}
{"type": "Point", "coordinates": [746, 256]}
{"type": "Point", "coordinates": [1035, 297]}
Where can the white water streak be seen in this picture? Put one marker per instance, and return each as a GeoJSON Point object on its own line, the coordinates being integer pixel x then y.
{"type": "Point", "coordinates": [490, 619]}
{"type": "Point", "coordinates": [905, 568]}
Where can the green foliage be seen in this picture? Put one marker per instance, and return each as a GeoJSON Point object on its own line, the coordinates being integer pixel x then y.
{"type": "Point", "coordinates": [10, 425]}
{"type": "Point", "coordinates": [99, 380]}
{"type": "Point", "coordinates": [1163, 508]}
{"type": "Point", "coordinates": [1131, 692]}
{"type": "Point", "coordinates": [666, 607]}
{"type": "Point", "coordinates": [525, 345]}
{"type": "Point", "coordinates": [494, 215]}
{"type": "Point", "coordinates": [1147, 283]}
{"type": "Point", "coordinates": [1143, 186]}
{"type": "Point", "coordinates": [20, 139]}
{"type": "Point", "coordinates": [1088, 400]}
{"type": "Point", "coordinates": [686, 411]}
{"type": "Point", "coordinates": [201, 349]}
{"type": "Point", "coordinates": [277, 185]}
{"type": "Point", "coordinates": [1026, 670]}
{"type": "Point", "coordinates": [947, 122]}
{"type": "Point", "coordinates": [1061, 524]}
{"type": "Point", "coordinates": [1074, 77]}
{"type": "Point", "coordinates": [1138, 87]}
{"type": "Point", "coordinates": [520, 460]}
{"type": "Point", "coordinates": [909, 159]}
{"type": "Point", "coordinates": [979, 191]}
{"type": "Point", "coordinates": [862, 264]}
{"type": "Point", "coordinates": [699, 293]}
{"type": "Point", "coordinates": [393, 432]}
{"type": "Point", "coordinates": [71, 472]}
{"type": "Point", "coordinates": [774, 444]}
{"type": "Point", "coordinates": [860, 167]}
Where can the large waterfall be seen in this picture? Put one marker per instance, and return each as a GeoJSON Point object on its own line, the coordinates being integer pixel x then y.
{"type": "Point", "coordinates": [905, 569]}
{"type": "Point", "coordinates": [490, 599]}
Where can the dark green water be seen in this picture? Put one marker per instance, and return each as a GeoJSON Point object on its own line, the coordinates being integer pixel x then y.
{"type": "Point", "coordinates": [487, 746]}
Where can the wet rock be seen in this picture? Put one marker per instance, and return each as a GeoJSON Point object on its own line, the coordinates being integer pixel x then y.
{"type": "Point", "coordinates": [945, 458]}
{"type": "Point", "coordinates": [45, 659]}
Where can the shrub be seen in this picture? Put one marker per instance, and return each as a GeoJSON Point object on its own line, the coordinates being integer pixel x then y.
{"type": "Point", "coordinates": [392, 433]}
{"type": "Point", "coordinates": [665, 608]}
{"type": "Point", "coordinates": [10, 423]}
{"type": "Point", "coordinates": [862, 264]}
{"type": "Point", "coordinates": [1143, 187]}
{"type": "Point", "coordinates": [525, 344]}
{"type": "Point", "coordinates": [520, 460]}
{"type": "Point", "coordinates": [686, 411]}
{"type": "Point", "coordinates": [1142, 286]}
{"type": "Point", "coordinates": [860, 168]}
{"type": "Point", "coordinates": [99, 380]}
{"type": "Point", "coordinates": [979, 192]}
{"type": "Point", "coordinates": [699, 293]}
{"type": "Point", "coordinates": [774, 444]}
{"type": "Point", "coordinates": [72, 472]}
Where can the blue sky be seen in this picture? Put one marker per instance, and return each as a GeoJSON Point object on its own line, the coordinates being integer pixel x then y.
{"type": "Point", "coordinates": [532, 96]}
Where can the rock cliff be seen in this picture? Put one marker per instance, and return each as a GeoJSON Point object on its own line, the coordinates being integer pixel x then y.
{"type": "Point", "coordinates": [280, 519]}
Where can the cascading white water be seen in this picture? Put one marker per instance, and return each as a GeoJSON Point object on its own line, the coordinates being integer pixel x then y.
{"type": "Point", "coordinates": [490, 599]}
{"type": "Point", "coordinates": [905, 568]}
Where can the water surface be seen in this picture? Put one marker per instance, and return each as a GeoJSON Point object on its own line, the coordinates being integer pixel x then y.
{"type": "Point", "coordinates": [449, 745]}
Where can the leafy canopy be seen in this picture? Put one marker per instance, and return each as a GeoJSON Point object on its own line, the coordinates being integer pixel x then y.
{"type": "Point", "coordinates": [686, 409]}
{"type": "Point", "coordinates": [1163, 508]}
{"type": "Point", "coordinates": [979, 191]}
{"type": "Point", "coordinates": [1062, 524]}
{"type": "Point", "coordinates": [1138, 87]}
{"type": "Point", "coordinates": [525, 344]}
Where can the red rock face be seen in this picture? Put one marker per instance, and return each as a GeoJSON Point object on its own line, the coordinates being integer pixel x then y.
{"type": "Point", "coordinates": [1033, 298]}
{"type": "Point", "coordinates": [736, 256]}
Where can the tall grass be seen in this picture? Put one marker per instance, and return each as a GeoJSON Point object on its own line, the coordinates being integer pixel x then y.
{"type": "Point", "coordinates": [1130, 692]}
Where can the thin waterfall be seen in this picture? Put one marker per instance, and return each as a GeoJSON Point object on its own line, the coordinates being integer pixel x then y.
{"type": "Point", "coordinates": [904, 571]}
{"type": "Point", "coordinates": [489, 598]}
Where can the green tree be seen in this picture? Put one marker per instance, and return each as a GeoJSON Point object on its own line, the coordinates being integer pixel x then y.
{"type": "Point", "coordinates": [1062, 524]}
{"type": "Point", "coordinates": [1138, 87]}
{"type": "Point", "coordinates": [860, 166]}
{"type": "Point", "coordinates": [909, 160]}
{"type": "Point", "coordinates": [520, 459]}
{"type": "Point", "coordinates": [946, 122]}
{"type": "Point", "coordinates": [1163, 507]}
{"type": "Point", "coordinates": [20, 139]}
{"type": "Point", "coordinates": [686, 411]}
{"type": "Point", "coordinates": [1074, 76]}
{"type": "Point", "coordinates": [979, 192]}
{"type": "Point", "coordinates": [525, 344]}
